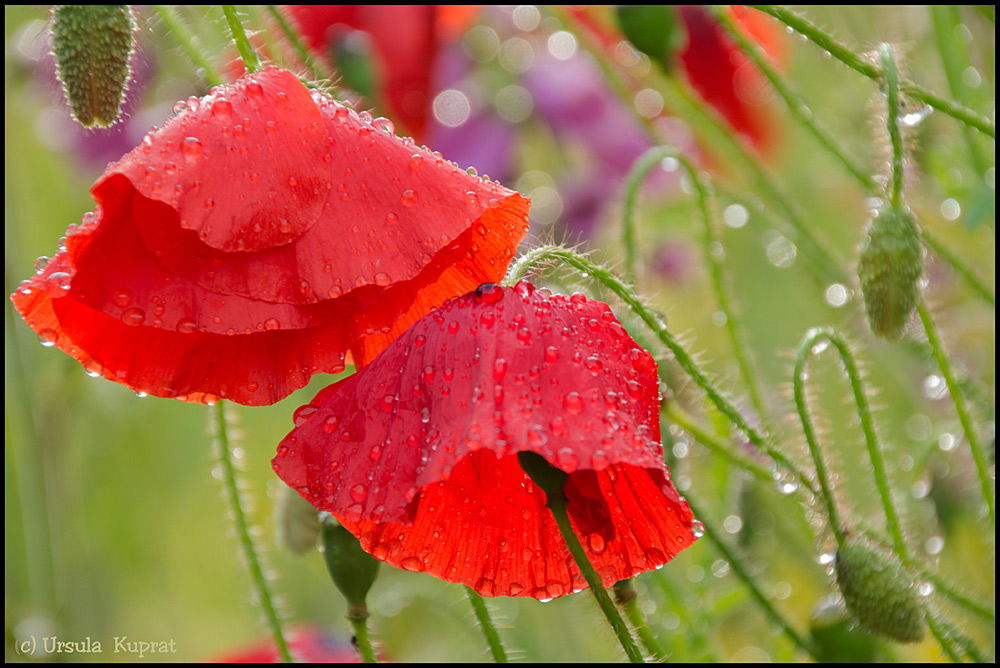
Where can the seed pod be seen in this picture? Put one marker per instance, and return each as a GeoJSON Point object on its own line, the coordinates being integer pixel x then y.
{"type": "Point", "coordinates": [889, 269]}
{"type": "Point", "coordinates": [879, 592]}
{"type": "Point", "coordinates": [92, 45]}
{"type": "Point", "coordinates": [353, 570]}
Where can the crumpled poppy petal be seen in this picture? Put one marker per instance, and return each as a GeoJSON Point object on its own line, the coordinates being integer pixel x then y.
{"type": "Point", "coordinates": [414, 454]}
{"type": "Point", "coordinates": [381, 233]}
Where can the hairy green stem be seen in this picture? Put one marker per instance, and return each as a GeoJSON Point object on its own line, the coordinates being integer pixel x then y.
{"type": "Point", "coordinates": [296, 41]}
{"type": "Point", "coordinates": [486, 624]}
{"type": "Point", "coordinates": [250, 58]}
{"type": "Point", "coordinates": [687, 422]}
{"type": "Point", "coordinates": [552, 481]}
{"type": "Point", "coordinates": [802, 408]}
{"type": "Point", "coordinates": [362, 640]}
{"type": "Point", "coordinates": [893, 525]}
{"type": "Point", "coordinates": [978, 454]}
{"type": "Point", "coordinates": [738, 565]}
{"type": "Point", "coordinates": [865, 67]}
{"type": "Point", "coordinates": [890, 80]}
{"type": "Point", "coordinates": [544, 254]}
{"type": "Point", "coordinates": [186, 38]}
{"type": "Point", "coordinates": [713, 252]}
{"type": "Point", "coordinates": [250, 552]}
{"type": "Point", "coordinates": [793, 99]}
{"type": "Point", "coordinates": [627, 598]}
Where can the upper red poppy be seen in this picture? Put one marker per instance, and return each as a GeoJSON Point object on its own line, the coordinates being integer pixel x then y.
{"type": "Point", "coordinates": [257, 237]}
{"type": "Point", "coordinates": [416, 454]}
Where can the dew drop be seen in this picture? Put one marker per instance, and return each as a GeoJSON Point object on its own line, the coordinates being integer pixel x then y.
{"type": "Point", "coordinates": [133, 316]}
{"type": "Point", "coordinates": [222, 108]}
{"type": "Point", "coordinates": [573, 403]}
{"type": "Point", "coordinates": [122, 297]}
{"type": "Point", "coordinates": [330, 423]}
{"type": "Point", "coordinates": [187, 326]}
{"type": "Point", "coordinates": [303, 413]}
{"type": "Point", "coordinates": [254, 89]}
{"type": "Point", "coordinates": [48, 337]}
{"type": "Point", "coordinates": [697, 529]}
{"type": "Point", "coordinates": [382, 279]}
{"type": "Point", "coordinates": [409, 197]}
{"type": "Point", "coordinates": [58, 284]}
{"type": "Point", "coordinates": [272, 324]}
{"type": "Point", "coordinates": [191, 147]}
{"type": "Point", "coordinates": [417, 162]}
{"type": "Point", "coordinates": [413, 564]}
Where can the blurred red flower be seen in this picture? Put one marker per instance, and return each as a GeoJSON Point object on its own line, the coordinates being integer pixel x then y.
{"type": "Point", "coordinates": [256, 238]}
{"type": "Point", "coordinates": [405, 40]}
{"type": "Point", "coordinates": [306, 644]}
{"type": "Point", "coordinates": [415, 454]}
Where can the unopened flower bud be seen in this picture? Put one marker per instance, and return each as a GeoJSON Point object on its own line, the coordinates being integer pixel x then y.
{"type": "Point", "coordinates": [353, 570]}
{"type": "Point", "coordinates": [879, 592]}
{"type": "Point", "coordinates": [296, 520]}
{"type": "Point", "coordinates": [889, 269]}
{"type": "Point", "coordinates": [655, 30]}
{"type": "Point", "coordinates": [92, 45]}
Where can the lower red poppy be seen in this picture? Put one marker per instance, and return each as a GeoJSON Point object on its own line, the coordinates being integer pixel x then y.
{"type": "Point", "coordinates": [416, 453]}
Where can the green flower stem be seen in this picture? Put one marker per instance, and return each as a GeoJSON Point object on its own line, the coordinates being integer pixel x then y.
{"type": "Point", "coordinates": [738, 565]}
{"type": "Point", "coordinates": [940, 584]}
{"type": "Point", "coordinates": [687, 422]}
{"type": "Point", "coordinates": [709, 126]}
{"type": "Point", "coordinates": [959, 265]}
{"type": "Point", "coordinates": [893, 525]}
{"type": "Point", "coordinates": [801, 406]}
{"type": "Point", "coordinates": [250, 58]}
{"type": "Point", "coordinates": [989, 11]}
{"type": "Point", "coordinates": [293, 37]}
{"type": "Point", "coordinates": [978, 454]}
{"type": "Point", "coordinates": [636, 174]}
{"type": "Point", "coordinates": [626, 597]}
{"type": "Point", "coordinates": [793, 99]}
{"type": "Point", "coordinates": [947, 645]}
{"type": "Point", "coordinates": [552, 482]}
{"type": "Point", "coordinates": [891, 81]}
{"type": "Point", "coordinates": [186, 38]}
{"type": "Point", "coordinates": [710, 241]}
{"type": "Point", "coordinates": [545, 254]}
{"type": "Point", "coordinates": [359, 624]}
{"type": "Point", "coordinates": [486, 624]}
{"type": "Point", "coordinates": [865, 67]}
{"type": "Point", "coordinates": [954, 59]}
{"type": "Point", "coordinates": [237, 505]}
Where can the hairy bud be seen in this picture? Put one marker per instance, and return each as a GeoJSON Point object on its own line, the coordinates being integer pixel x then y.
{"type": "Point", "coordinates": [655, 30]}
{"type": "Point", "coordinates": [92, 45]}
{"type": "Point", "coordinates": [879, 592]}
{"type": "Point", "coordinates": [889, 269]}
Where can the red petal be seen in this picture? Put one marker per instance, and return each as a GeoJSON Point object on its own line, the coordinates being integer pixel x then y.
{"type": "Point", "coordinates": [382, 233]}
{"type": "Point", "coordinates": [415, 453]}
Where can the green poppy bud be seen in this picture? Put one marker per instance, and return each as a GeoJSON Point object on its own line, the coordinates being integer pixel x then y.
{"type": "Point", "coordinates": [353, 570]}
{"type": "Point", "coordinates": [879, 592]}
{"type": "Point", "coordinates": [296, 520]}
{"type": "Point", "coordinates": [889, 269]}
{"type": "Point", "coordinates": [655, 30]}
{"type": "Point", "coordinates": [92, 45]}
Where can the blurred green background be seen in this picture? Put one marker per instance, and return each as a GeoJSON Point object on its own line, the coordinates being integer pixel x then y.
{"type": "Point", "coordinates": [115, 524]}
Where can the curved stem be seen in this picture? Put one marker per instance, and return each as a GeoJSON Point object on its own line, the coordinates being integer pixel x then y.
{"type": "Point", "coordinates": [793, 99]}
{"type": "Point", "coordinates": [893, 525]}
{"type": "Point", "coordinates": [626, 597]}
{"type": "Point", "coordinates": [486, 624]}
{"type": "Point", "coordinates": [543, 254]}
{"type": "Point", "coordinates": [862, 66]}
{"type": "Point", "coordinates": [250, 58]}
{"type": "Point", "coordinates": [890, 79]}
{"type": "Point", "coordinates": [189, 43]}
{"type": "Point", "coordinates": [978, 455]}
{"type": "Point", "coordinates": [802, 408]}
{"type": "Point", "coordinates": [237, 505]}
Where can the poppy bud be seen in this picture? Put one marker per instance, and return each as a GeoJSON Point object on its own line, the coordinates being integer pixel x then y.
{"type": "Point", "coordinates": [353, 570]}
{"type": "Point", "coordinates": [889, 269]}
{"type": "Point", "coordinates": [836, 638]}
{"type": "Point", "coordinates": [296, 520]}
{"type": "Point", "coordinates": [92, 45]}
{"type": "Point", "coordinates": [879, 592]}
{"type": "Point", "coordinates": [655, 30]}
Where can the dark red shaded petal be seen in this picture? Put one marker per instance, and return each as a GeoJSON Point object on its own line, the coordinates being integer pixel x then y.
{"type": "Point", "coordinates": [415, 453]}
{"type": "Point", "coordinates": [384, 233]}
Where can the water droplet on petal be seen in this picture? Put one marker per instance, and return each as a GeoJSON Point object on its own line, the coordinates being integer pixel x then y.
{"type": "Point", "coordinates": [191, 147]}
{"type": "Point", "coordinates": [133, 316]}
{"type": "Point", "coordinates": [222, 108]}
{"type": "Point", "coordinates": [409, 197]}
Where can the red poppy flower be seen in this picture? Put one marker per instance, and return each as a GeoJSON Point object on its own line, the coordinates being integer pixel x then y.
{"type": "Point", "coordinates": [306, 644]}
{"type": "Point", "coordinates": [256, 238]}
{"type": "Point", "coordinates": [405, 40]}
{"type": "Point", "coordinates": [416, 454]}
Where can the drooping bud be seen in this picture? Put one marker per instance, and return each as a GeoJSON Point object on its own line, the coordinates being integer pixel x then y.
{"type": "Point", "coordinates": [353, 570]}
{"type": "Point", "coordinates": [92, 45]}
{"type": "Point", "coordinates": [655, 30]}
{"type": "Point", "coordinates": [889, 269]}
{"type": "Point", "coordinates": [296, 521]}
{"type": "Point", "coordinates": [879, 592]}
